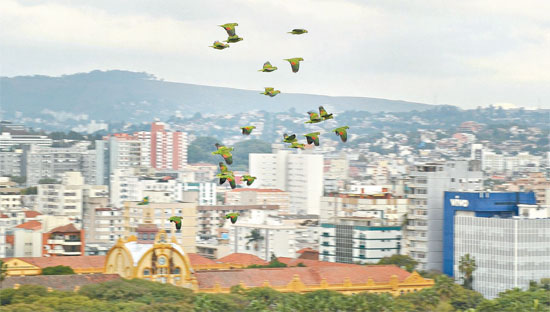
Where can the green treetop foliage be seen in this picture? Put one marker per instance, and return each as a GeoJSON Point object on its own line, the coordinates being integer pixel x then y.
{"type": "Point", "coordinates": [58, 270]}
{"type": "Point", "coordinates": [402, 261]}
{"type": "Point", "coordinates": [200, 150]}
{"type": "Point", "coordinates": [33, 190]}
{"type": "Point", "coordinates": [48, 181]}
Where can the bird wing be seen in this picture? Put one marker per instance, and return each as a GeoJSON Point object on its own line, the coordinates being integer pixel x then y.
{"type": "Point", "coordinates": [322, 111]}
{"type": "Point", "coordinates": [344, 135]}
{"type": "Point", "coordinates": [229, 28]}
{"type": "Point", "coordinates": [313, 116]}
{"type": "Point", "coordinates": [268, 89]}
{"type": "Point", "coordinates": [223, 167]}
{"type": "Point", "coordinates": [267, 65]}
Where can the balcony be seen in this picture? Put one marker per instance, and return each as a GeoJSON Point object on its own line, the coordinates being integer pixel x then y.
{"type": "Point", "coordinates": [71, 253]}
{"type": "Point", "coordinates": [72, 242]}
{"type": "Point", "coordinates": [55, 241]}
{"type": "Point", "coordinates": [56, 251]}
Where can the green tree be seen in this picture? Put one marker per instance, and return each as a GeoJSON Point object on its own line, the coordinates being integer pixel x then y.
{"type": "Point", "coordinates": [200, 150]}
{"type": "Point", "coordinates": [57, 270]}
{"type": "Point", "coordinates": [402, 261]}
{"type": "Point", "coordinates": [18, 180]}
{"type": "Point", "coordinates": [467, 266]}
{"type": "Point", "coordinates": [254, 237]}
{"type": "Point", "coordinates": [244, 148]}
{"type": "Point", "coordinates": [48, 181]}
{"type": "Point", "coordinates": [33, 190]}
{"type": "Point", "coordinates": [3, 272]}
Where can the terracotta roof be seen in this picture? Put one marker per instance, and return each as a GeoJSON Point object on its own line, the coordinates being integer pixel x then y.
{"type": "Point", "coordinates": [4, 216]}
{"type": "Point", "coordinates": [256, 190]}
{"type": "Point", "coordinates": [10, 239]}
{"type": "Point", "coordinates": [32, 214]}
{"type": "Point", "coordinates": [59, 282]}
{"type": "Point", "coordinates": [75, 262]}
{"type": "Point", "coordinates": [242, 258]}
{"type": "Point", "coordinates": [306, 249]}
{"type": "Point", "coordinates": [197, 259]}
{"type": "Point", "coordinates": [30, 225]}
{"type": "Point", "coordinates": [359, 274]}
{"type": "Point", "coordinates": [69, 228]}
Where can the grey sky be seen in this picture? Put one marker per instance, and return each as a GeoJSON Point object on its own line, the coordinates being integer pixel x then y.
{"type": "Point", "coordinates": [465, 53]}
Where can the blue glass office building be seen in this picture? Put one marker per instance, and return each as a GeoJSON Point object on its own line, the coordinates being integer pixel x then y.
{"type": "Point", "coordinates": [484, 204]}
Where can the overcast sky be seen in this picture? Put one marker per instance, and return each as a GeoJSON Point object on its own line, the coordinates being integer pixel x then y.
{"type": "Point", "coordinates": [465, 53]}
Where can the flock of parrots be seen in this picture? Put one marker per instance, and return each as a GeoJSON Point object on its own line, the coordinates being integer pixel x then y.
{"type": "Point", "coordinates": [225, 152]}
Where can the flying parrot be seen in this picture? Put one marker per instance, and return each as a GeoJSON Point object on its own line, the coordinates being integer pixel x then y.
{"type": "Point", "coordinates": [249, 179]}
{"type": "Point", "coordinates": [298, 31]}
{"type": "Point", "coordinates": [342, 133]}
{"type": "Point", "coordinates": [297, 145]}
{"type": "Point", "coordinates": [270, 91]}
{"type": "Point", "coordinates": [324, 114]}
{"type": "Point", "coordinates": [248, 129]}
{"type": "Point", "coordinates": [233, 39]}
{"type": "Point", "coordinates": [219, 46]}
{"type": "Point", "coordinates": [177, 221]}
{"type": "Point", "coordinates": [225, 152]}
{"type": "Point", "coordinates": [223, 167]}
{"type": "Point", "coordinates": [233, 216]}
{"type": "Point", "coordinates": [313, 117]}
{"type": "Point", "coordinates": [268, 68]}
{"type": "Point", "coordinates": [289, 138]}
{"type": "Point", "coordinates": [295, 63]}
{"type": "Point", "coordinates": [230, 28]}
{"type": "Point", "coordinates": [144, 201]}
{"type": "Point", "coordinates": [313, 138]}
{"type": "Point", "coordinates": [228, 175]}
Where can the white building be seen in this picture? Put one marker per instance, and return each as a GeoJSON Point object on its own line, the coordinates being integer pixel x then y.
{"type": "Point", "coordinates": [10, 163]}
{"type": "Point", "coordinates": [301, 175]}
{"type": "Point", "coordinates": [427, 185]}
{"type": "Point", "coordinates": [254, 196]}
{"type": "Point", "coordinates": [7, 140]}
{"type": "Point", "coordinates": [509, 252]}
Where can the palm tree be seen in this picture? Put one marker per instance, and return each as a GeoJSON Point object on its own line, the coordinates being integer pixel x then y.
{"type": "Point", "coordinates": [254, 237]}
{"type": "Point", "coordinates": [467, 266]}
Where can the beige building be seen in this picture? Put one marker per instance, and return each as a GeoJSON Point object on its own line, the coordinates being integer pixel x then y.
{"type": "Point", "coordinates": [158, 214]}
{"type": "Point", "coordinates": [535, 182]}
{"type": "Point", "coordinates": [250, 196]}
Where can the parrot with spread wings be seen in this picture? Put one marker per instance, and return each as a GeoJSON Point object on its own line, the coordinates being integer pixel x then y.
{"type": "Point", "coordinates": [324, 114]}
{"type": "Point", "coordinates": [219, 46]}
{"type": "Point", "coordinates": [225, 152]}
{"type": "Point", "coordinates": [233, 216]}
{"type": "Point", "coordinates": [230, 28]}
{"type": "Point", "coordinates": [270, 91]}
{"type": "Point", "coordinates": [177, 221]}
{"type": "Point", "coordinates": [313, 117]}
{"type": "Point", "coordinates": [249, 179]}
{"type": "Point", "coordinates": [268, 68]}
{"type": "Point", "coordinates": [289, 138]}
{"type": "Point", "coordinates": [342, 133]}
{"type": "Point", "coordinates": [247, 129]}
{"type": "Point", "coordinates": [298, 31]}
{"type": "Point", "coordinates": [144, 201]}
{"type": "Point", "coordinates": [313, 138]}
{"type": "Point", "coordinates": [233, 39]}
{"type": "Point", "coordinates": [297, 145]}
{"type": "Point", "coordinates": [294, 63]}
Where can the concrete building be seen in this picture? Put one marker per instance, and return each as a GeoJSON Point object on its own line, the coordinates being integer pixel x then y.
{"type": "Point", "coordinates": [301, 175]}
{"type": "Point", "coordinates": [10, 198]}
{"type": "Point", "coordinates": [203, 193]}
{"type": "Point", "coordinates": [509, 250]}
{"type": "Point", "coordinates": [104, 226]}
{"type": "Point", "coordinates": [10, 163]}
{"type": "Point", "coordinates": [8, 140]}
{"type": "Point", "coordinates": [427, 185]}
{"type": "Point", "coordinates": [158, 214]}
{"type": "Point", "coordinates": [168, 149]}
{"type": "Point", "coordinates": [251, 196]}
{"type": "Point", "coordinates": [64, 240]}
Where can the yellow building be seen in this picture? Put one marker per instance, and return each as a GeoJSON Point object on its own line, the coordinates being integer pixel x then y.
{"type": "Point", "coordinates": [24, 266]}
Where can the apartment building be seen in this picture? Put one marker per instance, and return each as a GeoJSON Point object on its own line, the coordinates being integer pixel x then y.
{"type": "Point", "coordinates": [253, 196]}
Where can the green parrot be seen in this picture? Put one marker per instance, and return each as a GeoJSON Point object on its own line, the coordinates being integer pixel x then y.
{"type": "Point", "coordinates": [177, 221]}
{"type": "Point", "coordinates": [223, 167]}
{"type": "Point", "coordinates": [230, 28]}
{"type": "Point", "coordinates": [233, 39]}
{"type": "Point", "coordinates": [144, 201]}
{"type": "Point", "coordinates": [225, 152]}
{"type": "Point", "coordinates": [249, 179]}
{"type": "Point", "coordinates": [297, 145]}
{"type": "Point", "coordinates": [233, 216]}
{"type": "Point", "coordinates": [313, 138]}
{"type": "Point", "coordinates": [313, 117]}
{"type": "Point", "coordinates": [229, 176]}
{"type": "Point", "coordinates": [270, 91]}
{"type": "Point", "coordinates": [342, 133]}
{"type": "Point", "coordinates": [324, 114]}
{"type": "Point", "coordinates": [248, 129]}
{"type": "Point", "coordinates": [289, 138]}
{"type": "Point", "coordinates": [268, 68]}
{"type": "Point", "coordinates": [219, 46]}
{"type": "Point", "coordinates": [298, 31]}
{"type": "Point", "coordinates": [295, 63]}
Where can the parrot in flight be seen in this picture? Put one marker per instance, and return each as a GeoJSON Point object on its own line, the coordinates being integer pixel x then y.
{"type": "Point", "coordinates": [324, 114]}
{"type": "Point", "coordinates": [233, 39]}
{"type": "Point", "coordinates": [295, 63]}
{"type": "Point", "coordinates": [177, 221]}
{"type": "Point", "coordinates": [230, 28]}
{"type": "Point", "coordinates": [233, 216]}
{"type": "Point", "coordinates": [298, 31]}
{"type": "Point", "coordinates": [144, 201]}
{"type": "Point", "coordinates": [342, 133]}
{"type": "Point", "coordinates": [249, 179]}
{"type": "Point", "coordinates": [225, 152]}
{"type": "Point", "coordinates": [289, 138]}
{"type": "Point", "coordinates": [313, 117]}
{"type": "Point", "coordinates": [270, 91]}
{"type": "Point", "coordinates": [226, 175]}
{"type": "Point", "coordinates": [297, 145]}
{"type": "Point", "coordinates": [248, 129]}
{"type": "Point", "coordinates": [268, 68]}
{"type": "Point", "coordinates": [313, 138]}
{"type": "Point", "coordinates": [219, 46]}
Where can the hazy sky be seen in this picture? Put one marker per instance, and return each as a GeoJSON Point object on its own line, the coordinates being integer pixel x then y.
{"type": "Point", "coordinates": [465, 53]}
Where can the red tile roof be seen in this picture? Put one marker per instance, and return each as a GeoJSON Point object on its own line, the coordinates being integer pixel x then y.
{"type": "Point", "coordinates": [197, 259]}
{"type": "Point", "coordinates": [75, 262]}
{"type": "Point", "coordinates": [69, 228]}
{"type": "Point", "coordinates": [4, 216]}
{"type": "Point", "coordinates": [242, 259]}
{"type": "Point", "coordinates": [9, 239]}
{"type": "Point", "coordinates": [256, 190]}
{"type": "Point", "coordinates": [359, 274]}
{"type": "Point", "coordinates": [30, 225]}
{"type": "Point", "coordinates": [306, 249]}
{"type": "Point", "coordinates": [31, 214]}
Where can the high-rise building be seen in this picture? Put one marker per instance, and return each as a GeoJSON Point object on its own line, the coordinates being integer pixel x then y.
{"type": "Point", "coordinates": [427, 185]}
{"type": "Point", "coordinates": [301, 175]}
{"type": "Point", "coordinates": [10, 163]}
{"type": "Point", "coordinates": [168, 149]}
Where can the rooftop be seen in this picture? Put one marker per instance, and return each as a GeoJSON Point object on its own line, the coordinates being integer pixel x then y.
{"type": "Point", "coordinates": [242, 259]}
{"type": "Point", "coordinates": [32, 214]}
{"type": "Point", "coordinates": [30, 225]}
{"type": "Point", "coordinates": [69, 228]}
{"type": "Point", "coordinates": [75, 262]}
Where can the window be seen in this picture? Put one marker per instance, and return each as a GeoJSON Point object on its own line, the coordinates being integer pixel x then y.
{"type": "Point", "coordinates": [177, 271]}
{"type": "Point", "coordinates": [146, 272]}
